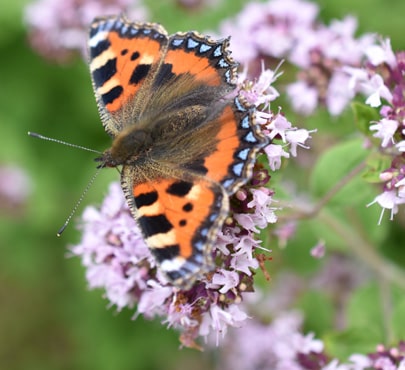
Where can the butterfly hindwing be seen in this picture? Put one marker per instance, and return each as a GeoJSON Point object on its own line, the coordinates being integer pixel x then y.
{"type": "Point", "coordinates": [236, 142]}
{"type": "Point", "coordinates": [179, 220]}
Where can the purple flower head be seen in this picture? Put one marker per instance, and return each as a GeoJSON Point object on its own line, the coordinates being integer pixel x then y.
{"type": "Point", "coordinates": [260, 92]}
{"type": "Point", "coordinates": [381, 80]}
{"type": "Point", "coordinates": [15, 188]}
{"type": "Point", "coordinates": [318, 251]}
{"type": "Point", "coordinates": [289, 30]}
{"type": "Point", "coordinates": [388, 358]}
{"type": "Point", "coordinates": [117, 259]}
{"type": "Point", "coordinates": [304, 97]}
{"type": "Point", "coordinates": [279, 345]}
{"type": "Point", "coordinates": [58, 29]}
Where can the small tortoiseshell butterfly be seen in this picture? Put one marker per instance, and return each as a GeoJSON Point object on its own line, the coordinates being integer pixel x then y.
{"type": "Point", "coordinates": [186, 142]}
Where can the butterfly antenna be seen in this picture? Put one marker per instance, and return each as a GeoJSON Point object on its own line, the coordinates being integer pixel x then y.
{"type": "Point", "coordinates": [39, 136]}
{"type": "Point", "coordinates": [90, 183]}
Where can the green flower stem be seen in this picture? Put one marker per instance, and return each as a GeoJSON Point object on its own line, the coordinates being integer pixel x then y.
{"type": "Point", "coordinates": [300, 213]}
{"type": "Point", "coordinates": [387, 307]}
{"type": "Point", "coordinates": [365, 251]}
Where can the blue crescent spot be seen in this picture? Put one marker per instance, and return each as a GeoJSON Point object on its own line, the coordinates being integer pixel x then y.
{"type": "Point", "coordinates": [237, 169]}
{"type": "Point", "coordinates": [239, 106]}
{"type": "Point", "coordinates": [228, 75]}
{"type": "Point", "coordinates": [191, 44]}
{"type": "Point", "coordinates": [177, 42]}
{"type": "Point", "coordinates": [133, 31]}
{"type": "Point", "coordinates": [218, 51]}
{"type": "Point", "coordinates": [243, 154]}
{"type": "Point", "coordinates": [250, 138]}
{"type": "Point", "coordinates": [198, 258]}
{"type": "Point", "coordinates": [222, 63]}
{"type": "Point", "coordinates": [199, 245]}
{"type": "Point", "coordinates": [204, 48]}
{"type": "Point", "coordinates": [109, 24]}
{"type": "Point", "coordinates": [227, 183]}
{"type": "Point", "coordinates": [245, 122]}
{"type": "Point", "coordinates": [213, 216]}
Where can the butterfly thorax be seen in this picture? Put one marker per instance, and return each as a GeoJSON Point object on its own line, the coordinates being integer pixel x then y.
{"type": "Point", "coordinates": [163, 137]}
{"type": "Point", "coordinates": [126, 147]}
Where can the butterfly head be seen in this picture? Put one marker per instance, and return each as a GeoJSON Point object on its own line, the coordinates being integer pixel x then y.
{"type": "Point", "coordinates": [126, 147]}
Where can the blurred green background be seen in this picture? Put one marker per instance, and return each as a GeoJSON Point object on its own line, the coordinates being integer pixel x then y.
{"type": "Point", "coordinates": [48, 319]}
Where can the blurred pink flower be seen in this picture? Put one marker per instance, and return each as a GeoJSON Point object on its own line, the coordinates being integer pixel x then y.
{"type": "Point", "coordinates": [58, 29]}
{"type": "Point", "coordinates": [15, 188]}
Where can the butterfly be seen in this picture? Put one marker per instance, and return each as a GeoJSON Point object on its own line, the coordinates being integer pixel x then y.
{"type": "Point", "coordinates": [184, 139]}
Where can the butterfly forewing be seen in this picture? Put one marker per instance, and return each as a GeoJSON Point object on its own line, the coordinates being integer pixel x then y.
{"type": "Point", "coordinates": [124, 58]}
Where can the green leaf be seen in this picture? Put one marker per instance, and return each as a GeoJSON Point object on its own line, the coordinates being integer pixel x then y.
{"type": "Point", "coordinates": [398, 319]}
{"type": "Point", "coordinates": [343, 344]}
{"type": "Point", "coordinates": [364, 310]}
{"type": "Point", "coordinates": [345, 215]}
{"type": "Point", "coordinates": [333, 166]}
{"type": "Point", "coordinates": [341, 227]}
{"type": "Point", "coordinates": [365, 327]}
{"type": "Point", "coordinates": [363, 115]}
{"type": "Point", "coordinates": [376, 163]}
{"type": "Point", "coordinates": [318, 310]}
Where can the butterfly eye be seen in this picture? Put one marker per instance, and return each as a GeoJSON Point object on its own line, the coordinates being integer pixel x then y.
{"type": "Point", "coordinates": [129, 144]}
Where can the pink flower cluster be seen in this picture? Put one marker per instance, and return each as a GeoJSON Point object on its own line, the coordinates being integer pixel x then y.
{"type": "Point", "coordinates": [382, 81]}
{"type": "Point", "coordinates": [329, 60]}
{"type": "Point", "coordinates": [261, 93]}
{"type": "Point", "coordinates": [289, 30]}
{"type": "Point", "coordinates": [59, 29]}
{"type": "Point", "coordinates": [277, 346]}
{"type": "Point", "coordinates": [280, 345]}
{"type": "Point", "coordinates": [117, 259]}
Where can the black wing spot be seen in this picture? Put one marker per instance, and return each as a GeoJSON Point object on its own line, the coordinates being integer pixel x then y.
{"type": "Point", "coordinates": [104, 73]}
{"type": "Point", "coordinates": [139, 73]}
{"type": "Point", "coordinates": [167, 253]}
{"type": "Point", "coordinates": [113, 94]}
{"type": "Point", "coordinates": [198, 166]}
{"type": "Point", "coordinates": [146, 199]}
{"type": "Point", "coordinates": [188, 207]}
{"type": "Point", "coordinates": [152, 225]}
{"type": "Point", "coordinates": [101, 46]}
{"type": "Point", "coordinates": [180, 188]}
{"type": "Point", "coordinates": [135, 55]}
{"type": "Point", "coordinates": [164, 74]}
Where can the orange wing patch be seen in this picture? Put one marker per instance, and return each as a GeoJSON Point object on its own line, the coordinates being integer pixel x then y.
{"type": "Point", "coordinates": [120, 65]}
{"type": "Point", "coordinates": [237, 143]}
{"type": "Point", "coordinates": [178, 220]}
{"type": "Point", "coordinates": [186, 62]}
{"type": "Point", "coordinates": [228, 141]}
{"type": "Point", "coordinates": [207, 60]}
{"type": "Point", "coordinates": [170, 212]}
